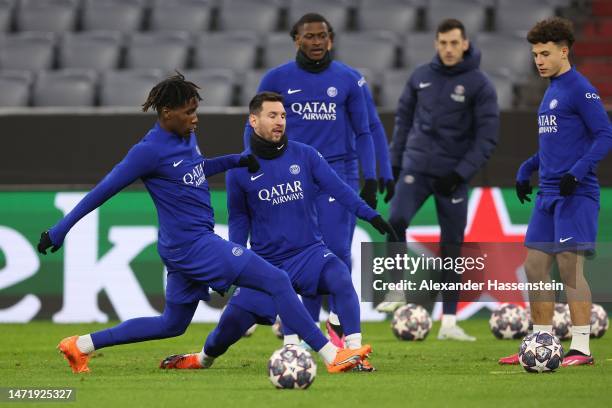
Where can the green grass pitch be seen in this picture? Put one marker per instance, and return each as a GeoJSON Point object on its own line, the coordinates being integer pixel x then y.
{"type": "Point", "coordinates": [428, 373]}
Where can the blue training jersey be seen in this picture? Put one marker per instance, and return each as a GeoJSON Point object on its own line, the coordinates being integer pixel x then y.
{"type": "Point", "coordinates": [324, 110]}
{"type": "Point", "coordinates": [277, 205]}
{"type": "Point", "coordinates": [175, 174]}
{"type": "Point", "coordinates": [574, 135]}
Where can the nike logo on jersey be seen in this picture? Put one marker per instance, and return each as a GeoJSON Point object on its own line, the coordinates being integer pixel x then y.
{"type": "Point", "coordinates": [327, 254]}
{"type": "Point", "coordinates": [456, 200]}
{"type": "Point", "coordinates": [562, 240]}
{"type": "Point", "coordinates": [174, 164]}
{"type": "Point", "coordinates": [292, 91]}
{"type": "Point", "coordinates": [424, 85]}
{"type": "Point", "coordinates": [253, 178]}
{"type": "Point", "coordinates": [332, 199]}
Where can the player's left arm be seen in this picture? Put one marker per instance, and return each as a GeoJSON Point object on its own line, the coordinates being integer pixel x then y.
{"type": "Point", "coordinates": [594, 115]}
{"type": "Point", "coordinates": [239, 221]}
{"type": "Point", "coordinates": [224, 163]}
{"type": "Point", "coordinates": [486, 130]}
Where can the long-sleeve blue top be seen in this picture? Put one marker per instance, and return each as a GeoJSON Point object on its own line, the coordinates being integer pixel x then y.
{"type": "Point", "coordinates": [277, 205]}
{"type": "Point", "coordinates": [574, 135]}
{"type": "Point", "coordinates": [175, 174]}
{"type": "Point", "coordinates": [324, 110]}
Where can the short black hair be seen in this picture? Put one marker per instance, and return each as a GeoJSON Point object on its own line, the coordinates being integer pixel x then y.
{"type": "Point", "coordinates": [256, 104]}
{"type": "Point", "coordinates": [450, 24]}
{"type": "Point", "coordinates": [310, 18]}
{"type": "Point", "coordinates": [556, 29]}
{"type": "Point", "coordinates": [172, 92]}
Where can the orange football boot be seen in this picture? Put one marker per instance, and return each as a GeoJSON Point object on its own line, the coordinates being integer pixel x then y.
{"type": "Point", "coordinates": [77, 360]}
{"type": "Point", "coordinates": [181, 362]}
{"type": "Point", "coordinates": [348, 358]}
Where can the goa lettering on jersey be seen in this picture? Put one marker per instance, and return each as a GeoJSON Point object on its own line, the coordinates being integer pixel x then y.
{"type": "Point", "coordinates": [315, 110]}
{"type": "Point", "coordinates": [282, 193]}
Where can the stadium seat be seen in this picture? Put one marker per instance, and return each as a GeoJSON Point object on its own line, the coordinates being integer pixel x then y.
{"type": "Point", "coordinates": [15, 88]}
{"type": "Point", "coordinates": [391, 87]}
{"type": "Point", "coordinates": [249, 85]}
{"type": "Point", "coordinates": [166, 50]}
{"type": "Point", "coordinates": [216, 86]}
{"type": "Point", "coordinates": [470, 12]}
{"type": "Point", "coordinates": [520, 15]}
{"type": "Point", "coordinates": [505, 55]}
{"type": "Point", "coordinates": [418, 48]}
{"type": "Point", "coordinates": [335, 11]}
{"type": "Point", "coordinates": [71, 87]}
{"type": "Point", "coordinates": [31, 51]}
{"type": "Point", "coordinates": [120, 15]}
{"type": "Point", "coordinates": [128, 88]}
{"type": "Point", "coordinates": [399, 16]}
{"type": "Point", "coordinates": [100, 50]}
{"type": "Point", "coordinates": [187, 15]}
{"type": "Point", "coordinates": [6, 13]}
{"type": "Point", "coordinates": [47, 15]}
{"type": "Point", "coordinates": [279, 49]}
{"type": "Point", "coordinates": [235, 49]}
{"type": "Point", "coordinates": [505, 91]}
{"type": "Point", "coordinates": [261, 16]}
{"type": "Point", "coordinates": [373, 50]}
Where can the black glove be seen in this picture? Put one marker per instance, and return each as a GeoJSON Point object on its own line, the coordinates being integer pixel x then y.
{"type": "Point", "coordinates": [568, 184]}
{"type": "Point", "coordinates": [250, 162]}
{"type": "Point", "coordinates": [388, 185]}
{"type": "Point", "coordinates": [384, 227]}
{"type": "Point", "coordinates": [523, 189]}
{"type": "Point", "coordinates": [446, 185]}
{"type": "Point", "coordinates": [45, 243]}
{"type": "Point", "coordinates": [396, 172]}
{"type": "Point", "coordinates": [368, 192]}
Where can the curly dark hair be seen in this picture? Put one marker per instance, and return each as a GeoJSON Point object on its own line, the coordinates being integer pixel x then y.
{"type": "Point", "coordinates": [556, 29]}
{"type": "Point", "coordinates": [310, 18]}
{"type": "Point", "coordinates": [172, 92]}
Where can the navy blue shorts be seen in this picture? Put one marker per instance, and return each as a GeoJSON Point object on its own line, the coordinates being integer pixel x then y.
{"type": "Point", "coordinates": [560, 224]}
{"type": "Point", "coordinates": [304, 271]}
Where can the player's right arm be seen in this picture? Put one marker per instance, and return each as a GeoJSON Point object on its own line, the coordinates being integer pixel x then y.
{"type": "Point", "coordinates": [140, 161]}
{"type": "Point", "coordinates": [527, 168]}
{"type": "Point", "coordinates": [404, 117]}
{"type": "Point", "coordinates": [238, 219]}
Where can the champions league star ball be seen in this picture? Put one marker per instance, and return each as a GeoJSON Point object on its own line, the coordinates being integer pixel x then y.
{"type": "Point", "coordinates": [562, 321]}
{"type": "Point", "coordinates": [509, 322]}
{"type": "Point", "coordinates": [411, 322]}
{"type": "Point", "coordinates": [292, 367]}
{"type": "Point", "coordinates": [540, 352]}
{"type": "Point", "coordinates": [277, 328]}
{"type": "Point", "coordinates": [599, 321]}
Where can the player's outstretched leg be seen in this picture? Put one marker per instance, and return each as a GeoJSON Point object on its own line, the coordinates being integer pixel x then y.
{"type": "Point", "coordinates": [173, 322]}
{"type": "Point", "coordinates": [234, 322]}
{"type": "Point", "coordinates": [262, 276]}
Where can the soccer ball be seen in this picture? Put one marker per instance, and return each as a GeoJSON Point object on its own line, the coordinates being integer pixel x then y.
{"type": "Point", "coordinates": [599, 321]}
{"type": "Point", "coordinates": [291, 367]}
{"type": "Point", "coordinates": [509, 322]}
{"type": "Point", "coordinates": [540, 352]}
{"type": "Point", "coordinates": [562, 322]}
{"type": "Point", "coordinates": [411, 322]}
{"type": "Point", "coordinates": [250, 331]}
{"type": "Point", "coordinates": [277, 328]}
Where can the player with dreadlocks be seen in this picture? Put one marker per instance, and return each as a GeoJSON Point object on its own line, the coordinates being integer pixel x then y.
{"type": "Point", "coordinates": [168, 161]}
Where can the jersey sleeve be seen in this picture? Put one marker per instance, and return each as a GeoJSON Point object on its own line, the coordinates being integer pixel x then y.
{"type": "Point", "coordinates": [528, 167]}
{"type": "Point", "coordinates": [403, 123]}
{"type": "Point", "coordinates": [328, 181]}
{"type": "Point", "coordinates": [239, 221]}
{"type": "Point", "coordinates": [381, 148]}
{"type": "Point", "coordinates": [140, 161]}
{"type": "Point", "coordinates": [591, 110]}
{"type": "Point", "coordinates": [220, 164]}
{"type": "Point", "coordinates": [358, 117]}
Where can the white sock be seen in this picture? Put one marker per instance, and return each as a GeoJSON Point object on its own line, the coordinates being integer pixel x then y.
{"type": "Point", "coordinates": [328, 353]}
{"type": "Point", "coordinates": [333, 319]}
{"type": "Point", "coordinates": [85, 344]}
{"type": "Point", "coordinates": [580, 339]}
{"type": "Point", "coordinates": [449, 320]}
{"type": "Point", "coordinates": [291, 339]}
{"type": "Point", "coordinates": [205, 361]}
{"type": "Point", "coordinates": [353, 341]}
{"type": "Point", "coordinates": [542, 327]}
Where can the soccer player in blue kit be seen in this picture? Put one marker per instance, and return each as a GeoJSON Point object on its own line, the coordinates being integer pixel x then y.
{"type": "Point", "coordinates": [168, 161]}
{"type": "Point", "coordinates": [277, 207]}
{"type": "Point", "coordinates": [574, 135]}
